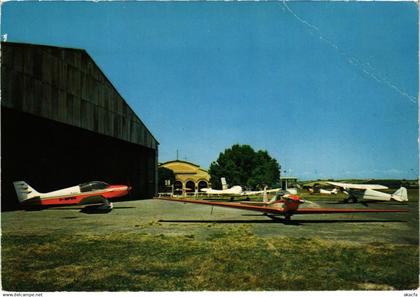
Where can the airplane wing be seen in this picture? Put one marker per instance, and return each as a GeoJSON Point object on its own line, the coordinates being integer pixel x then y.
{"type": "Point", "coordinates": [358, 186]}
{"type": "Point", "coordinates": [249, 193]}
{"type": "Point", "coordinates": [96, 203]}
{"type": "Point", "coordinates": [275, 210]}
{"type": "Point", "coordinates": [343, 210]}
{"type": "Point", "coordinates": [265, 209]}
{"type": "Point", "coordinates": [93, 200]}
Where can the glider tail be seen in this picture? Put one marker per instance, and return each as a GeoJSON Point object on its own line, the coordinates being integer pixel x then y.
{"type": "Point", "coordinates": [272, 200]}
{"type": "Point", "coordinates": [24, 191]}
{"type": "Point", "coordinates": [265, 197]}
{"type": "Point", "coordinates": [400, 195]}
{"type": "Point", "coordinates": [224, 184]}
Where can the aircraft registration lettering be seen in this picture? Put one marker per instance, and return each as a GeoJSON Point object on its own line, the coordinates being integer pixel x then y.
{"type": "Point", "coordinates": [67, 198]}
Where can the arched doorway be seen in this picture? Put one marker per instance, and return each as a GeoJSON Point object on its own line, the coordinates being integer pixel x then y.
{"type": "Point", "coordinates": [178, 187]}
{"type": "Point", "coordinates": [202, 184]}
{"type": "Point", "coordinates": [190, 186]}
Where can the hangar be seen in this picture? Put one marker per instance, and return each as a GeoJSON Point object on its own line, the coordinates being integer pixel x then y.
{"type": "Point", "coordinates": [188, 176]}
{"type": "Point", "coordinates": [64, 123]}
{"type": "Point", "coordinates": [288, 182]}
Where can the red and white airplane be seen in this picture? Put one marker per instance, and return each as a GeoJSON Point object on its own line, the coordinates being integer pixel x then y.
{"type": "Point", "coordinates": [286, 205]}
{"type": "Point", "coordinates": [94, 192]}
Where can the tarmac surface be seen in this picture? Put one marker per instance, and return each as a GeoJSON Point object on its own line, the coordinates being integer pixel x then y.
{"type": "Point", "coordinates": [202, 221]}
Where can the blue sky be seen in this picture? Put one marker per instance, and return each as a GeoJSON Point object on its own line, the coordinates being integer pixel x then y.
{"type": "Point", "coordinates": [329, 89]}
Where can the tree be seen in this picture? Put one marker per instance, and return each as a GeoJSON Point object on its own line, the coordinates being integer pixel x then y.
{"type": "Point", "coordinates": [163, 175]}
{"type": "Point", "coordinates": [242, 165]}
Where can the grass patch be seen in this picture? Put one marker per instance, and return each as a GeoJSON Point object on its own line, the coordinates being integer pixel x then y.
{"type": "Point", "coordinates": [232, 260]}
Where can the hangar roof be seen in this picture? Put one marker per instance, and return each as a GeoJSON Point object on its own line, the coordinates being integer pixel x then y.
{"type": "Point", "coordinates": [185, 170]}
{"type": "Point", "coordinates": [66, 85]}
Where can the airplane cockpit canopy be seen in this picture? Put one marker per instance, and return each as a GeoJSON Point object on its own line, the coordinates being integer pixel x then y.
{"type": "Point", "coordinates": [93, 186]}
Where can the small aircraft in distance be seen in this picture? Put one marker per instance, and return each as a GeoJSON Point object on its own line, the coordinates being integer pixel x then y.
{"type": "Point", "coordinates": [285, 205]}
{"type": "Point", "coordinates": [265, 200]}
{"type": "Point", "coordinates": [264, 192]}
{"type": "Point", "coordinates": [96, 193]}
{"type": "Point", "coordinates": [234, 191]}
{"type": "Point", "coordinates": [317, 190]}
{"type": "Point", "coordinates": [368, 192]}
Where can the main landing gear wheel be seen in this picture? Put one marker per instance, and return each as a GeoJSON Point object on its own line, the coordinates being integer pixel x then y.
{"type": "Point", "coordinates": [102, 208]}
{"type": "Point", "coordinates": [106, 206]}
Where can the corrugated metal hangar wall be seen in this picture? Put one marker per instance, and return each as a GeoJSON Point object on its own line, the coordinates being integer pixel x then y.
{"type": "Point", "coordinates": [63, 123]}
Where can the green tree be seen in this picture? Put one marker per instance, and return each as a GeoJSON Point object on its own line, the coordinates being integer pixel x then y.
{"type": "Point", "coordinates": [163, 175]}
{"type": "Point", "coordinates": [242, 165]}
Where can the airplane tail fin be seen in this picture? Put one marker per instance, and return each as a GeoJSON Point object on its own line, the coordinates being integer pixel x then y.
{"type": "Point", "coordinates": [272, 200]}
{"type": "Point", "coordinates": [265, 198]}
{"type": "Point", "coordinates": [24, 191]}
{"type": "Point", "coordinates": [400, 195]}
{"type": "Point", "coordinates": [224, 184]}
